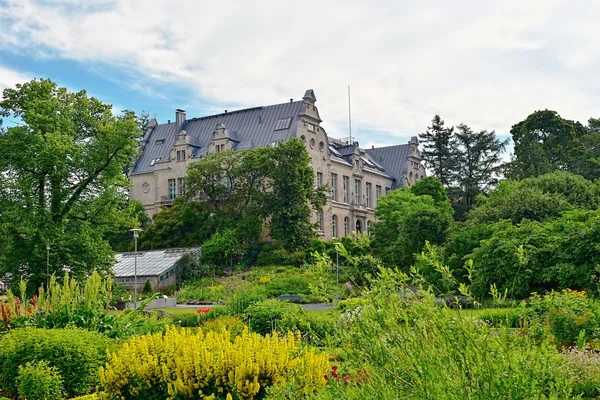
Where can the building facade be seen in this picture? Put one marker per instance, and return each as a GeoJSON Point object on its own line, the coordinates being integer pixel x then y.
{"type": "Point", "coordinates": [358, 177]}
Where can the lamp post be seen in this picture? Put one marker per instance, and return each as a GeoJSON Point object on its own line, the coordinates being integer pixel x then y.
{"type": "Point", "coordinates": [47, 266]}
{"type": "Point", "coordinates": [337, 273]}
{"type": "Point", "coordinates": [136, 234]}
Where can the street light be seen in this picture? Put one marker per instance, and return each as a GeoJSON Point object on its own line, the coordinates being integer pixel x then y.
{"type": "Point", "coordinates": [47, 266]}
{"type": "Point", "coordinates": [337, 273]}
{"type": "Point", "coordinates": [136, 234]}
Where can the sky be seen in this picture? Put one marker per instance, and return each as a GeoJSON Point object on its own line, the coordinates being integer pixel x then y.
{"type": "Point", "coordinates": [488, 64]}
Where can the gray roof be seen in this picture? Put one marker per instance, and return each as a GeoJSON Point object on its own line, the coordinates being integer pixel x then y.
{"type": "Point", "coordinates": [394, 159]}
{"type": "Point", "coordinates": [149, 263]}
{"type": "Point", "coordinates": [252, 126]}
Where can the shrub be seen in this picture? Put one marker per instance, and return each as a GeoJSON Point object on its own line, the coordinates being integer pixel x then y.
{"type": "Point", "coordinates": [241, 299]}
{"type": "Point", "coordinates": [508, 317]}
{"type": "Point", "coordinates": [289, 285]}
{"type": "Point", "coordinates": [566, 314]}
{"type": "Point", "coordinates": [583, 368]}
{"type": "Point", "coordinates": [185, 365]}
{"type": "Point", "coordinates": [234, 325]}
{"type": "Point", "coordinates": [275, 254]}
{"type": "Point", "coordinates": [275, 315]}
{"type": "Point", "coordinates": [147, 288]}
{"type": "Point", "coordinates": [415, 349]}
{"type": "Point", "coordinates": [75, 353]}
{"type": "Point", "coordinates": [39, 381]}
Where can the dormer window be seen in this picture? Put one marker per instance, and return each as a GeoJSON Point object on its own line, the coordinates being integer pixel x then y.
{"type": "Point", "coordinates": [160, 141]}
{"type": "Point", "coordinates": [310, 127]}
{"type": "Point", "coordinates": [283, 123]}
{"type": "Point", "coordinates": [180, 155]}
{"type": "Point", "coordinates": [154, 160]}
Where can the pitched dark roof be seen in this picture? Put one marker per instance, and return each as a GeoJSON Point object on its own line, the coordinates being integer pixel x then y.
{"type": "Point", "coordinates": [394, 159]}
{"type": "Point", "coordinates": [252, 127]}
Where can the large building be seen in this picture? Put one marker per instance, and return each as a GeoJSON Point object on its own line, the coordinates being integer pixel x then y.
{"type": "Point", "coordinates": [359, 177]}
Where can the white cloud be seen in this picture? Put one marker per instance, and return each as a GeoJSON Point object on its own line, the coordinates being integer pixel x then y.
{"type": "Point", "coordinates": [9, 78]}
{"type": "Point", "coordinates": [487, 64]}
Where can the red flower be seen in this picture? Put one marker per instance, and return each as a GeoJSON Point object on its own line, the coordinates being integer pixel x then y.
{"type": "Point", "coordinates": [204, 310]}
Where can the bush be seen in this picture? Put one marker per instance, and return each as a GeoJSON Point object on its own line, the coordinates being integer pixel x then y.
{"type": "Point", "coordinates": [185, 365]}
{"type": "Point", "coordinates": [147, 288]}
{"type": "Point", "coordinates": [75, 353]}
{"type": "Point", "coordinates": [234, 325]}
{"type": "Point", "coordinates": [505, 317]}
{"type": "Point", "coordinates": [289, 285]}
{"type": "Point", "coordinates": [39, 381]}
{"type": "Point", "coordinates": [241, 299]}
{"type": "Point", "coordinates": [275, 315]}
{"type": "Point", "coordinates": [415, 349]}
{"type": "Point", "coordinates": [275, 254]}
{"type": "Point", "coordinates": [583, 367]}
{"type": "Point", "coordinates": [566, 315]}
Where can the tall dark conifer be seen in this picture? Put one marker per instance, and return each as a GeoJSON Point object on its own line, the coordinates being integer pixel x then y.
{"type": "Point", "coordinates": [439, 150]}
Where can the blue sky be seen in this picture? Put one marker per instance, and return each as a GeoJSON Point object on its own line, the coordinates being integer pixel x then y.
{"type": "Point", "coordinates": [486, 64]}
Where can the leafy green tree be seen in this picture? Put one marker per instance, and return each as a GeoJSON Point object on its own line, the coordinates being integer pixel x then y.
{"type": "Point", "coordinates": [544, 142]}
{"type": "Point", "coordinates": [479, 161]}
{"type": "Point", "coordinates": [122, 238]}
{"type": "Point", "coordinates": [433, 187]}
{"type": "Point", "coordinates": [406, 222]}
{"type": "Point", "coordinates": [440, 150]}
{"type": "Point", "coordinates": [539, 198]}
{"type": "Point", "coordinates": [293, 195]}
{"type": "Point", "coordinates": [61, 179]}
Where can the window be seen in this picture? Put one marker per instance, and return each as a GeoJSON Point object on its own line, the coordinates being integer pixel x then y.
{"type": "Point", "coordinates": [303, 138]}
{"type": "Point", "coordinates": [369, 226]}
{"type": "Point", "coordinates": [368, 194]}
{"type": "Point", "coordinates": [346, 184]}
{"type": "Point", "coordinates": [387, 190]}
{"type": "Point", "coordinates": [346, 226]}
{"type": "Point", "coordinates": [320, 220]}
{"type": "Point", "coordinates": [357, 191]}
{"type": "Point", "coordinates": [377, 193]}
{"type": "Point", "coordinates": [160, 141]}
{"type": "Point", "coordinates": [334, 226]}
{"type": "Point", "coordinates": [312, 143]}
{"type": "Point", "coordinates": [310, 127]}
{"type": "Point", "coordinates": [171, 189]}
{"type": "Point", "coordinates": [180, 155]}
{"type": "Point", "coordinates": [334, 187]}
{"type": "Point", "coordinates": [321, 146]}
{"type": "Point", "coordinates": [319, 179]}
{"type": "Point", "coordinates": [179, 186]}
{"type": "Point", "coordinates": [283, 123]}
{"type": "Point", "coordinates": [220, 148]}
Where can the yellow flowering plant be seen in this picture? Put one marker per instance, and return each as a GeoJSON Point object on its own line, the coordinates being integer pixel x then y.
{"type": "Point", "coordinates": [181, 364]}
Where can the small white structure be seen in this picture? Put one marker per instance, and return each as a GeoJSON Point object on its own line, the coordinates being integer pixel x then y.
{"type": "Point", "coordinates": [161, 267]}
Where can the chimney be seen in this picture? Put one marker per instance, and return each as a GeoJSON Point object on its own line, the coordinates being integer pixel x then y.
{"type": "Point", "coordinates": [179, 118]}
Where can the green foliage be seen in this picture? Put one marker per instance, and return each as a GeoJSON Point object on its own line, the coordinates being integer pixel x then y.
{"type": "Point", "coordinates": [406, 222]}
{"type": "Point", "coordinates": [147, 288]}
{"type": "Point", "coordinates": [583, 368]}
{"type": "Point", "coordinates": [39, 381]}
{"type": "Point", "coordinates": [275, 315]}
{"type": "Point", "coordinates": [241, 299]}
{"type": "Point", "coordinates": [439, 151]}
{"type": "Point", "coordinates": [275, 254]}
{"type": "Point", "coordinates": [535, 257]}
{"type": "Point", "coordinates": [75, 353]}
{"type": "Point", "coordinates": [539, 198]}
{"type": "Point", "coordinates": [234, 325]}
{"type": "Point", "coordinates": [478, 162]}
{"type": "Point", "coordinates": [204, 289]}
{"type": "Point", "coordinates": [545, 142]}
{"type": "Point", "coordinates": [222, 249]}
{"type": "Point", "coordinates": [567, 314]}
{"type": "Point", "coordinates": [419, 350]}
{"type": "Point", "coordinates": [63, 180]}
{"type": "Point", "coordinates": [185, 224]}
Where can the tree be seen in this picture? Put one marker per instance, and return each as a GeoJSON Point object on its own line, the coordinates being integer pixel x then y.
{"type": "Point", "coordinates": [544, 142]}
{"type": "Point", "coordinates": [541, 198]}
{"type": "Point", "coordinates": [439, 150]}
{"type": "Point", "coordinates": [293, 195]}
{"type": "Point", "coordinates": [406, 222]}
{"type": "Point", "coordinates": [479, 158]}
{"type": "Point", "coordinates": [61, 179]}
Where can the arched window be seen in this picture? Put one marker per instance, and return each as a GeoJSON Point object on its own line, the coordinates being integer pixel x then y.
{"type": "Point", "coordinates": [369, 226]}
{"type": "Point", "coordinates": [410, 175]}
{"type": "Point", "coordinates": [334, 226]}
{"type": "Point", "coordinates": [346, 226]}
{"type": "Point", "coordinates": [359, 226]}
